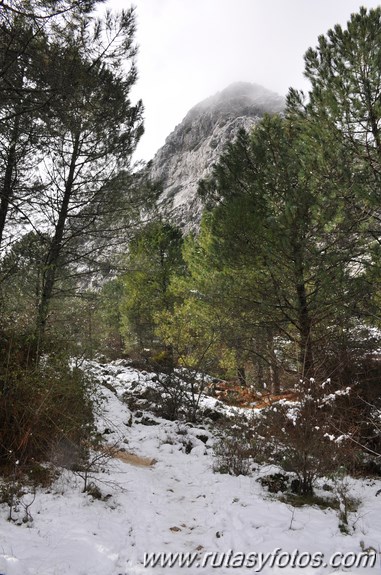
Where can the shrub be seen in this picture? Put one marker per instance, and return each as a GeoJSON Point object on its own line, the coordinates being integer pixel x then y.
{"type": "Point", "coordinates": [178, 393]}
{"type": "Point", "coordinates": [302, 436]}
{"type": "Point", "coordinates": [169, 396]}
{"type": "Point", "coordinates": [41, 406]}
{"type": "Point", "coordinates": [275, 482]}
{"type": "Point", "coordinates": [235, 447]}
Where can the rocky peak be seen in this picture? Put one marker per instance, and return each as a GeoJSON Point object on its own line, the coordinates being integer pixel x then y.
{"type": "Point", "coordinates": [197, 142]}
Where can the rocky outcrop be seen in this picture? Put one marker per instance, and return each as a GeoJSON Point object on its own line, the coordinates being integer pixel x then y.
{"type": "Point", "coordinates": [196, 144]}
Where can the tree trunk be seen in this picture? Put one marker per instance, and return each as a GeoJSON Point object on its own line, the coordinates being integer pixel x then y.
{"type": "Point", "coordinates": [306, 361]}
{"type": "Point", "coordinates": [8, 185]}
{"type": "Point", "coordinates": [260, 373]}
{"type": "Point", "coordinates": [305, 344]}
{"type": "Point", "coordinates": [275, 381]}
{"type": "Point", "coordinates": [54, 254]}
{"type": "Point", "coordinates": [241, 374]}
{"type": "Point", "coordinates": [273, 364]}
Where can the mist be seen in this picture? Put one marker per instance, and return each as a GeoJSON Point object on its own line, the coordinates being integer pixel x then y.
{"type": "Point", "coordinates": [191, 50]}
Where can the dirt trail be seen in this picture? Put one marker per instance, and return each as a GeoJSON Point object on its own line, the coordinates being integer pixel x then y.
{"type": "Point", "coordinates": [131, 458]}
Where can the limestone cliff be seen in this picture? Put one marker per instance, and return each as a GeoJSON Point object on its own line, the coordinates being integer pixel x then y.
{"type": "Point", "coordinates": [197, 142]}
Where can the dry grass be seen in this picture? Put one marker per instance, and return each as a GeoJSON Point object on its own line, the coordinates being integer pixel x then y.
{"type": "Point", "coordinates": [234, 394]}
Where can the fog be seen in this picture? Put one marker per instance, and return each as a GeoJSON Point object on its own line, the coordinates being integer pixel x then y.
{"type": "Point", "coordinates": [190, 49]}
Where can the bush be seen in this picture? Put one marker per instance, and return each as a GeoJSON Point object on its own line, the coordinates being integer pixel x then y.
{"type": "Point", "coordinates": [169, 396]}
{"type": "Point", "coordinates": [275, 482]}
{"type": "Point", "coordinates": [303, 437]}
{"type": "Point", "coordinates": [235, 447]}
{"type": "Point", "coordinates": [41, 407]}
{"type": "Point", "coordinates": [178, 394]}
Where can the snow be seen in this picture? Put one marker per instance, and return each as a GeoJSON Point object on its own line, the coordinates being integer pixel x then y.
{"type": "Point", "coordinates": [178, 504]}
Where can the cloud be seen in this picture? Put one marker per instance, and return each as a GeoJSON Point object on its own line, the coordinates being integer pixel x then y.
{"type": "Point", "coordinates": [192, 49]}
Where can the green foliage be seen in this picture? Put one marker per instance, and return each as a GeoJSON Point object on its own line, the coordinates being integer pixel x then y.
{"type": "Point", "coordinates": [68, 129]}
{"type": "Point", "coordinates": [21, 282]}
{"type": "Point", "coordinates": [203, 328]}
{"type": "Point", "coordinates": [344, 113]}
{"type": "Point", "coordinates": [154, 259]}
{"type": "Point", "coordinates": [91, 139]}
{"type": "Point", "coordinates": [286, 236]}
{"type": "Point", "coordinates": [72, 322]}
{"type": "Point", "coordinates": [344, 71]}
{"type": "Point", "coordinates": [107, 319]}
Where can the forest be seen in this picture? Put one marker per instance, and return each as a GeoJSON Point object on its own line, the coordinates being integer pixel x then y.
{"type": "Point", "coordinates": [279, 290]}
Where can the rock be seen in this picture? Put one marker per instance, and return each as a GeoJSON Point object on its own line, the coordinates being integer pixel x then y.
{"type": "Point", "coordinates": [211, 414]}
{"type": "Point", "coordinates": [275, 482]}
{"type": "Point", "coordinates": [203, 438]}
{"type": "Point", "coordinates": [197, 142]}
{"type": "Point", "coordinates": [296, 486]}
{"type": "Point", "coordinates": [148, 421]}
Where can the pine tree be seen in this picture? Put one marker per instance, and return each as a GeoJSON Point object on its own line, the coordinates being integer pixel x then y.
{"type": "Point", "coordinates": [19, 128]}
{"type": "Point", "coordinates": [344, 112]}
{"type": "Point", "coordinates": [92, 132]}
{"type": "Point", "coordinates": [25, 29]}
{"type": "Point", "coordinates": [281, 222]}
{"type": "Point", "coordinates": [345, 75]}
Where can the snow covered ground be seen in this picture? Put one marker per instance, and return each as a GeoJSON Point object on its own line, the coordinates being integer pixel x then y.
{"type": "Point", "coordinates": [177, 504]}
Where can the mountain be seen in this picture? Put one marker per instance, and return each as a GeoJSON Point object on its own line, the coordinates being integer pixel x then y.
{"type": "Point", "coordinates": [197, 142]}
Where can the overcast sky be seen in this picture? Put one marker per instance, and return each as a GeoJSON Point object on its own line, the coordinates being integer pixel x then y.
{"type": "Point", "coordinates": [191, 49]}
